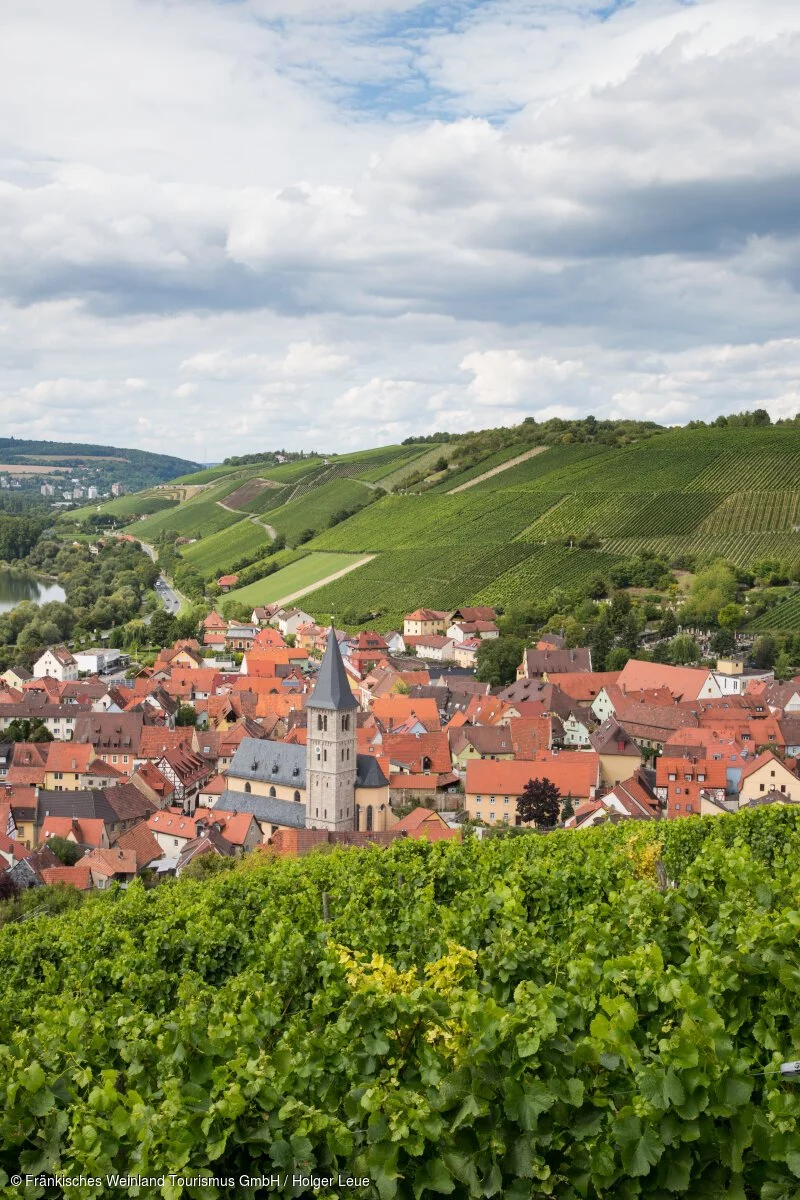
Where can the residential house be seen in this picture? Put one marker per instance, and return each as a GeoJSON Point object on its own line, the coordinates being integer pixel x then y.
{"type": "Point", "coordinates": [764, 774]}
{"type": "Point", "coordinates": [620, 757]}
{"type": "Point", "coordinates": [465, 654]}
{"type": "Point", "coordinates": [154, 786]}
{"type": "Point", "coordinates": [115, 737]}
{"type": "Point", "coordinates": [57, 663]}
{"type": "Point", "coordinates": [59, 719]}
{"type": "Point", "coordinates": [427, 825]}
{"type": "Point", "coordinates": [140, 842]}
{"type": "Point", "coordinates": [16, 677]}
{"type": "Point", "coordinates": [684, 683]}
{"type": "Point", "coordinates": [289, 620]}
{"type": "Point", "coordinates": [732, 678]}
{"type": "Point", "coordinates": [240, 637]}
{"type": "Point", "coordinates": [208, 841]}
{"type": "Point", "coordinates": [435, 647]}
{"type": "Point", "coordinates": [119, 808]}
{"type": "Point", "coordinates": [425, 622]}
{"type": "Point", "coordinates": [691, 786]}
{"type": "Point", "coordinates": [86, 831]}
{"type": "Point", "coordinates": [186, 771]}
{"type": "Point", "coordinates": [470, 742]}
{"type": "Point", "coordinates": [460, 631]}
{"type": "Point", "coordinates": [540, 664]}
{"type": "Point", "coordinates": [493, 788]}
{"type": "Point", "coordinates": [226, 583]}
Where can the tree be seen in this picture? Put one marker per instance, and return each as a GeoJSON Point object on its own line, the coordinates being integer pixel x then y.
{"type": "Point", "coordinates": [203, 866]}
{"type": "Point", "coordinates": [723, 642]}
{"type": "Point", "coordinates": [669, 625]}
{"type": "Point", "coordinates": [730, 616]}
{"type": "Point", "coordinates": [684, 649]}
{"type": "Point", "coordinates": [784, 668]}
{"type": "Point", "coordinates": [162, 629]}
{"type": "Point", "coordinates": [21, 729]}
{"type": "Point", "coordinates": [9, 888]}
{"type": "Point", "coordinates": [498, 659]}
{"type": "Point", "coordinates": [617, 658]}
{"type": "Point", "coordinates": [567, 808]}
{"type": "Point", "coordinates": [186, 715]}
{"type": "Point", "coordinates": [540, 802]}
{"type": "Point", "coordinates": [764, 652]}
{"type": "Point", "coordinates": [600, 642]}
{"type": "Point", "coordinates": [65, 851]}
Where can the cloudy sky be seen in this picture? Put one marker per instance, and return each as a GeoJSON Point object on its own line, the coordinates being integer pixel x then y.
{"type": "Point", "coordinates": [244, 224]}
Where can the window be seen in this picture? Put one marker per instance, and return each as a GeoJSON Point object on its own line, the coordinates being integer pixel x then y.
{"type": "Point", "coordinates": [762, 787]}
{"type": "Point", "coordinates": [318, 753]}
{"type": "Point", "coordinates": [346, 723]}
{"type": "Point", "coordinates": [272, 793]}
{"type": "Point", "coordinates": [783, 787]}
{"type": "Point", "coordinates": [324, 755]}
{"type": "Point", "coordinates": [701, 778]}
{"type": "Point", "coordinates": [319, 720]}
{"type": "Point", "coordinates": [114, 758]}
{"type": "Point", "coordinates": [677, 808]}
{"type": "Point", "coordinates": [505, 818]}
{"type": "Point", "coordinates": [772, 774]}
{"type": "Point", "coordinates": [505, 800]}
{"type": "Point", "coordinates": [247, 787]}
{"type": "Point", "coordinates": [297, 797]}
{"type": "Point", "coordinates": [672, 775]}
{"type": "Point", "coordinates": [677, 791]}
{"type": "Point", "coordinates": [687, 777]}
{"type": "Point", "coordinates": [689, 808]}
{"type": "Point", "coordinates": [125, 758]}
{"type": "Point", "coordinates": [174, 841]}
{"type": "Point", "coordinates": [59, 774]}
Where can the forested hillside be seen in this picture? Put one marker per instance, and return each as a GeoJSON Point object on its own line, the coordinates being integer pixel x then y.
{"type": "Point", "coordinates": [579, 1015]}
{"type": "Point", "coordinates": [134, 468]}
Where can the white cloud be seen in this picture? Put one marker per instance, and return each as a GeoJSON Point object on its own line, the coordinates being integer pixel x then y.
{"type": "Point", "coordinates": [339, 227]}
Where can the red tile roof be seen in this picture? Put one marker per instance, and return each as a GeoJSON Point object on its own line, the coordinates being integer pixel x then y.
{"type": "Point", "coordinates": [573, 772]}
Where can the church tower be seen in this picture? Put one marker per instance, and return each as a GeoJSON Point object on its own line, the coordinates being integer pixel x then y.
{"type": "Point", "coordinates": [331, 763]}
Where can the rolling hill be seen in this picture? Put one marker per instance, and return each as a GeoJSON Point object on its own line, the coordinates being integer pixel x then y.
{"type": "Point", "coordinates": [136, 469]}
{"type": "Point", "coordinates": [495, 536]}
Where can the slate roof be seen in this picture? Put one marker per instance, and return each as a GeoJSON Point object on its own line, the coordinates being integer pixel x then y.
{"type": "Point", "coordinates": [269, 762]}
{"type": "Point", "coordinates": [122, 803]}
{"type": "Point", "coordinates": [267, 809]}
{"type": "Point", "coordinates": [332, 689]}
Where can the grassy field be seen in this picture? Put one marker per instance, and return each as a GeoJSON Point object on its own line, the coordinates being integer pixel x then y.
{"type": "Point", "coordinates": [308, 570]}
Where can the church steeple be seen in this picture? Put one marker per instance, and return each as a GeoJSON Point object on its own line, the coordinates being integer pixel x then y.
{"type": "Point", "coordinates": [331, 769]}
{"type": "Point", "coordinates": [332, 690]}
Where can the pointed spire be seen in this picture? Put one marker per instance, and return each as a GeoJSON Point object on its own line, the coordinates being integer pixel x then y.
{"type": "Point", "coordinates": [332, 689]}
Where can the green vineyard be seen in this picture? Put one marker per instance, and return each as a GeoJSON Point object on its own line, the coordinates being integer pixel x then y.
{"type": "Point", "coordinates": [686, 493]}
{"type": "Point", "coordinates": [514, 1019]}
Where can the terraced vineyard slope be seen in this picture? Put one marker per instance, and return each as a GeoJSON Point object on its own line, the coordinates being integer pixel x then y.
{"type": "Point", "coordinates": [731, 492]}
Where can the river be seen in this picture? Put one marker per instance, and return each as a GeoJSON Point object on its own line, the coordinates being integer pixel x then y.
{"type": "Point", "coordinates": [16, 586]}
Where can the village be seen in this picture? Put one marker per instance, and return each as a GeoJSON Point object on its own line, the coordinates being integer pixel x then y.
{"type": "Point", "coordinates": [281, 735]}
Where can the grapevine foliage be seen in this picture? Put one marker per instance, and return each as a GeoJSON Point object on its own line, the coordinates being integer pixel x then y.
{"type": "Point", "coordinates": [595, 1014]}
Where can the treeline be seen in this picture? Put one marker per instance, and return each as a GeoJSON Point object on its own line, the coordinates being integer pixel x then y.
{"type": "Point", "coordinates": [103, 591]}
{"type": "Point", "coordinates": [267, 456]}
{"type": "Point", "coordinates": [136, 469]}
{"type": "Point", "coordinates": [18, 536]}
